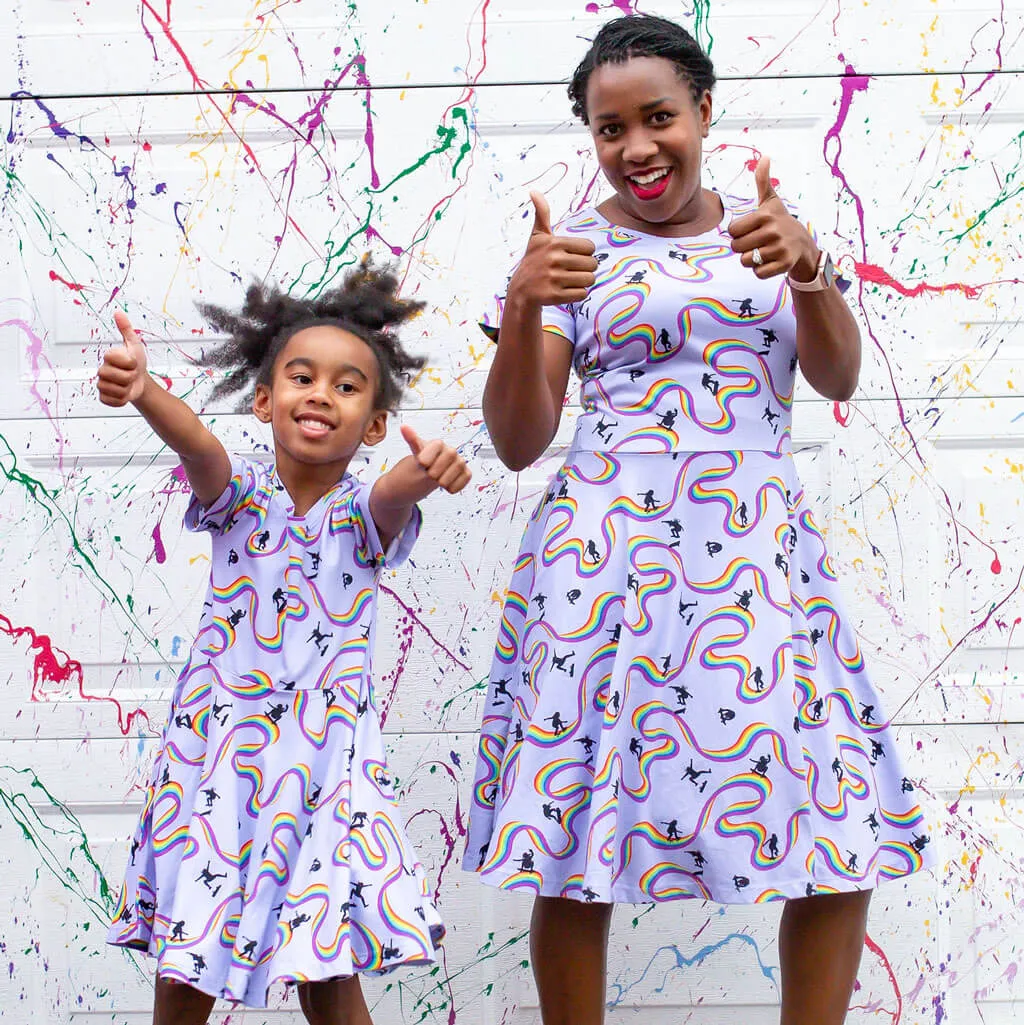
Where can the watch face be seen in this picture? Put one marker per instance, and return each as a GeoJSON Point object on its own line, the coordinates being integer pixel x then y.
{"type": "Point", "coordinates": [828, 271]}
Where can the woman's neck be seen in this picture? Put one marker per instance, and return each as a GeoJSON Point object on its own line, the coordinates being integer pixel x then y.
{"type": "Point", "coordinates": [705, 213]}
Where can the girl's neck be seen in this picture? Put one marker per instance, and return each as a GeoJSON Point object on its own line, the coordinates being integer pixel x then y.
{"type": "Point", "coordinates": [307, 483]}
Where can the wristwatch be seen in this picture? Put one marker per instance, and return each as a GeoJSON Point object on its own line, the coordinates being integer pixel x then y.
{"type": "Point", "coordinates": [822, 280]}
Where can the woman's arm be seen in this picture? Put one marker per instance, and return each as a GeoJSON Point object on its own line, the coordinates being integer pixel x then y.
{"type": "Point", "coordinates": [530, 373]}
{"type": "Point", "coordinates": [123, 378]}
{"type": "Point", "coordinates": [827, 336]}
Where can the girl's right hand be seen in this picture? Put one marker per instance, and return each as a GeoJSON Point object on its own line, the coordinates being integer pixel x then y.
{"type": "Point", "coordinates": [554, 269]}
{"type": "Point", "coordinates": [123, 373]}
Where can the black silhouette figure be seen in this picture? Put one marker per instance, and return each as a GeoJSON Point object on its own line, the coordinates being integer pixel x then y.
{"type": "Point", "coordinates": [761, 764]}
{"type": "Point", "coordinates": [683, 606]}
{"type": "Point", "coordinates": [314, 558]}
{"type": "Point", "coordinates": [726, 715]}
{"type": "Point", "coordinates": [557, 725]}
{"type": "Point", "coordinates": [919, 843]}
{"type": "Point", "coordinates": [674, 254]}
{"type": "Point", "coordinates": [540, 599]}
{"type": "Point", "coordinates": [631, 583]}
{"type": "Point", "coordinates": [220, 712]}
{"type": "Point", "coordinates": [247, 952]}
{"type": "Point", "coordinates": [276, 712]}
{"type": "Point", "coordinates": [682, 696]}
{"type": "Point", "coordinates": [675, 529]}
{"type": "Point", "coordinates": [699, 861]}
{"type": "Point", "coordinates": [588, 746]}
{"type": "Point", "coordinates": [796, 723]}
{"type": "Point", "coordinates": [851, 864]}
{"type": "Point", "coordinates": [280, 599]}
{"type": "Point", "coordinates": [709, 383]}
{"type": "Point", "coordinates": [615, 633]}
{"type": "Point", "coordinates": [636, 277]}
{"type": "Point", "coordinates": [592, 553]}
{"type": "Point", "coordinates": [650, 502]}
{"type": "Point", "coordinates": [906, 786]}
{"type": "Point", "coordinates": [232, 557]}
{"type": "Point", "coordinates": [666, 661]}
{"type": "Point", "coordinates": [740, 882]}
{"type": "Point", "coordinates": [355, 890]}
{"type": "Point", "coordinates": [329, 697]}
{"type": "Point", "coordinates": [804, 578]}
{"type": "Point", "coordinates": [771, 417]}
{"type": "Point", "coordinates": [746, 307]}
{"type": "Point", "coordinates": [178, 932]}
{"type": "Point", "coordinates": [613, 702]}
{"type": "Point", "coordinates": [769, 337]}
{"type": "Point", "coordinates": [558, 662]}
{"type": "Point", "coordinates": [211, 795]}
{"type": "Point", "coordinates": [712, 547]}
{"type": "Point", "coordinates": [357, 820]}
{"type": "Point", "coordinates": [873, 823]}
{"type": "Point", "coordinates": [837, 768]}
{"type": "Point", "coordinates": [694, 776]}
{"type": "Point", "coordinates": [198, 962]}
{"type": "Point", "coordinates": [757, 676]}
{"type": "Point", "coordinates": [390, 951]}
{"type": "Point", "coordinates": [526, 861]}
{"type": "Point", "coordinates": [573, 596]}
{"type": "Point", "coordinates": [741, 514]}
{"type": "Point", "coordinates": [236, 616]}
{"type": "Point", "coordinates": [663, 341]}
{"type": "Point", "coordinates": [781, 563]}
{"type": "Point", "coordinates": [792, 365]}
{"type": "Point", "coordinates": [319, 639]}
{"type": "Point", "coordinates": [551, 812]}
{"type": "Point", "coordinates": [816, 635]}
{"type": "Point", "coordinates": [206, 877]}
{"type": "Point", "coordinates": [346, 579]}
{"type": "Point", "coordinates": [816, 709]}
{"type": "Point", "coordinates": [261, 540]}
{"type": "Point", "coordinates": [589, 895]}
{"type": "Point", "coordinates": [483, 856]}
{"type": "Point", "coordinates": [743, 598]}
{"type": "Point", "coordinates": [877, 751]}
{"type": "Point", "coordinates": [636, 748]}
{"type": "Point", "coordinates": [184, 720]}
{"type": "Point", "coordinates": [603, 430]}
{"type": "Point", "coordinates": [635, 373]}
{"type": "Point", "coordinates": [668, 419]}
{"type": "Point", "coordinates": [501, 691]}
{"type": "Point", "coordinates": [672, 830]}
{"type": "Point", "coordinates": [362, 706]}
{"type": "Point", "coordinates": [867, 713]}
{"type": "Point", "coordinates": [517, 733]}
{"type": "Point", "coordinates": [773, 847]}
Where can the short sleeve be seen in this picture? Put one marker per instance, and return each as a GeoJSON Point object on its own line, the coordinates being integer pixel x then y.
{"type": "Point", "coordinates": [370, 551]}
{"type": "Point", "coordinates": [559, 320]}
{"type": "Point", "coordinates": [219, 515]}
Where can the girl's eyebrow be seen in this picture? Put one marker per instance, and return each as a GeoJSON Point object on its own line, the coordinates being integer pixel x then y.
{"type": "Point", "coordinates": [643, 106]}
{"type": "Point", "coordinates": [345, 368]}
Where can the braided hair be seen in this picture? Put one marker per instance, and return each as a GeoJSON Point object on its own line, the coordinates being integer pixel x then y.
{"type": "Point", "coordinates": [366, 304]}
{"type": "Point", "coordinates": [642, 35]}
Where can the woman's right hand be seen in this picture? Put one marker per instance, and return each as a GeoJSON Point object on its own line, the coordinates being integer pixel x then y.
{"type": "Point", "coordinates": [554, 269]}
{"type": "Point", "coordinates": [123, 373]}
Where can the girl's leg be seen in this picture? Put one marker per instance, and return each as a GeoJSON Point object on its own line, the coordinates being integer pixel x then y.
{"type": "Point", "coordinates": [569, 951]}
{"type": "Point", "coordinates": [334, 1002]}
{"type": "Point", "coordinates": [177, 1003]}
{"type": "Point", "coordinates": [820, 943]}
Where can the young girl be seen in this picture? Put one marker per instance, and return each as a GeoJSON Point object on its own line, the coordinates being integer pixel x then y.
{"type": "Point", "coordinates": [269, 847]}
{"type": "Point", "coordinates": [678, 706]}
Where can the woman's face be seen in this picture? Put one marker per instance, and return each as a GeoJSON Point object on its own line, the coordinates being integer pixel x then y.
{"type": "Point", "coordinates": [648, 133]}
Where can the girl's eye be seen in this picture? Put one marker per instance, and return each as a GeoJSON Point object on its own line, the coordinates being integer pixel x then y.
{"type": "Point", "coordinates": [302, 379]}
{"type": "Point", "coordinates": [346, 387]}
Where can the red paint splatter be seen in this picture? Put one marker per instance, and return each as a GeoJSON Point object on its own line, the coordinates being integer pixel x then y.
{"type": "Point", "coordinates": [50, 665]}
{"type": "Point", "coordinates": [842, 413]}
{"type": "Point", "coordinates": [54, 276]}
{"type": "Point", "coordinates": [877, 275]}
{"type": "Point", "coordinates": [997, 566]}
{"type": "Point", "coordinates": [880, 954]}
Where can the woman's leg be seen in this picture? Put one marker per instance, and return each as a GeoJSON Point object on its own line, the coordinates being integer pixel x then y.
{"type": "Point", "coordinates": [177, 1003]}
{"type": "Point", "coordinates": [334, 1002]}
{"type": "Point", "coordinates": [820, 943]}
{"type": "Point", "coordinates": [569, 951]}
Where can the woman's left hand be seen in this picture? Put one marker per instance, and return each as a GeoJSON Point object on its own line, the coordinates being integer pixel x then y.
{"type": "Point", "coordinates": [782, 243]}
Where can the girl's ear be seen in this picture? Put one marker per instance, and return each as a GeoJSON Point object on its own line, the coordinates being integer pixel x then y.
{"type": "Point", "coordinates": [377, 428]}
{"type": "Point", "coordinates": [261, 405]}
{"type": "Point", "coordinates": [705, 109]}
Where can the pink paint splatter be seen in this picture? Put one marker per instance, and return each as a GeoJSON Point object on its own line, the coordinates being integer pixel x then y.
{"type": "Point", "coordinates": [158, 544]}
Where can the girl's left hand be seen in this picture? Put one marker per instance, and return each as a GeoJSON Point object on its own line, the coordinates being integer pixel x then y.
{"type": "Point", "coordinates": [440, 462]}
{"type": "Point", "coordinates": [782, 242]}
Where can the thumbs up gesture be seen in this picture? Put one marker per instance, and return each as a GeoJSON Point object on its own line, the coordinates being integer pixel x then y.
{"type": "Point", "coordinates": [123, 373]}
{"type": "Point", "coordinates": [441, 463]}
{"type": "Point", "coordinates": [781, 243]}
{"type": "Point", "coordinates": [554, 269]}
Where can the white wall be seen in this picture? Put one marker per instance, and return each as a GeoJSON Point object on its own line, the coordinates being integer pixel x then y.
{"type": "Point", "coordinates": [127, 186]}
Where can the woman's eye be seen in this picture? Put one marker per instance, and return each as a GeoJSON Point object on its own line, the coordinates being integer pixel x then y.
{"type": "Point", "coordinates": [609, 131]}
{"type": "Point", "coordinates": [659, 117]}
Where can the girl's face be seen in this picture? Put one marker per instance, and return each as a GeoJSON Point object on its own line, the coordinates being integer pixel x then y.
{"type": "Point", "coordinates": [321, 398]}
{"type": "Point", "coordinates": [648, 132]}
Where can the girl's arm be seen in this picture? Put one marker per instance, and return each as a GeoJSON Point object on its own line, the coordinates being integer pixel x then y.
{"type": "Point", "coordinates": [827, 336]}
{"type": "Point", "coordinates": [432, 465]}
{"type": "Point", "coordinates": [123, 378]}
{"type": "Point", "coordinates": [530, 373]}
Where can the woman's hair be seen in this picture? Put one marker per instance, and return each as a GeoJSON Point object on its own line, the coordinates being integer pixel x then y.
{"type": "Point", "coordinates": [642, 35]}
{"type": "Point", "coordinates": [365, 305]}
